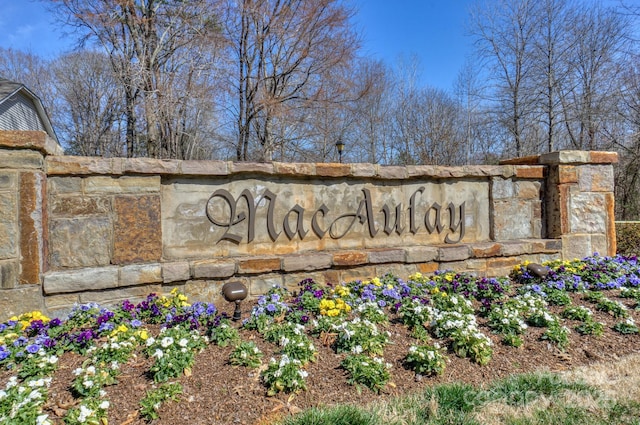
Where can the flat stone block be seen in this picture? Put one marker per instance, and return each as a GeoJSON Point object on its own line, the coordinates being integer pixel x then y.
{"type": "Point", "coordinates": [30, 139]}
{"type": "Point", "coordinates": [420, 254]}
{"type": "Point", "coordinates": [600, 157]}
{"type": "Point", "coordinates": [259, 265]}
{"type": "Point", "coordinates": [565, 157]}
{"type": "Point", "coordinates": [261, 285]}
{"type": "Point", "coordinates": [523, 160]}
{"type": "Point", "coordinates": [420, 170]}
{"type": "Point", "coordinates": [60, 185]}
{"type": "Point", "coordinates": [553, 245]}
{"type": "Point", "coordinates": [8, 180]}
{"type": "Point", "coordinates": [72, 206]}
{"type": "Point", "coordinates": [428, 268]}
{"type": "Point", "coordinates": [17, 160]}
{"type": "Point", "coordinates": [213, 269]}
{"type": "Point", "coordinates": [392, 172]}
{"type": "Point", "coordinates": [476, 266]}
{"type": "Point", "coordinates": [110, 298]}
{"type": "Point", "coordinates": [567, 174]}
{"type": "Point", "coordinates": [205, 168]}
{"type": "Point", "coordinates": [8, 274]}
{"type": "Point", "coordinates": [588, 213]}
{"type": "Point", "coordinates": [23, 299]}
{"type": "Point", "coordinates": [332, 170]}
{"type": "Point", "coordinates": [252, 167]}
{"type": "Point", "coordinates": [208, 291]}
{"type": "Point", "coordinates": [8, 225]}
{"type": "Point", "coordinates": [150, 166]}
{"type": "Point", "coordinates": [32, 193]}
{"type": "Point", "coordinates": [300, 262]}
{"type": "Point", "coordinates": [576, 246]}
{"type": "Point", "coordinates": [285, 168]}
{"type": "Point", "coordinates": [379, 256]}
{"type": "Point", "coordinates": [611, 225]}
{"type": "Point", "coordinates": [63, 301]}
{"type": "Point", "coordinates": [402, 271]}
{"type": "Point", "coordinates": [510, 249]}
{"type": "Point", "coordinates": [140, 274]}
{"type": "Point", "coordinates": [292, 280]}
{"type": "Point", "coordinates": [528, 190]}
{"type": "Point", "coordinates": [80, 242]}
{"type": "Point", "coordinates": [530, 172]}
{"type": "Point", "coordinates": [502, 189]}
{"type": "Point", "coordinates": [79, 165]}
{"type": "Point", "coordinates": [363, 170]}
{"type": "Point", "coordinates": [88, 279]}
{"type": "Point", "coordinates": [358, 273]}
{"type": "Point", "coordinates": [484, 250]}
{"type": "Point", "coordinates": [176, 272]}
{"type": "Point", "coordinates": [453, 253]}
{"type": "Point", "coordinates": [599, 244]}
{"type": "Point", "coordinates": [501, 266]}
{"type": "Point", "coordinates": [122, 185]}
{"type": "Point", "coordinates": [596, 178]}
{"type": "Point", "coordinates": [137, 229]}
{"type": "Point", "coordinates": [350, 258]}
{"type": "Point", "coordinates": [513, 219]}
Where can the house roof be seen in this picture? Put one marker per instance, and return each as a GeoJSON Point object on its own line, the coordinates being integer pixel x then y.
{"type": "Point", "coordinates": [9, 88]}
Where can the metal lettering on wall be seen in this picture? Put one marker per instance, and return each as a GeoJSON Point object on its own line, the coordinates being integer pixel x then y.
{"type": "Point", "coordinates": [428, 220]}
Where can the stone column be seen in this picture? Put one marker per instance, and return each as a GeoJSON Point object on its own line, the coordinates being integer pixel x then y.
{"type": "Point", "coordinates": [22, 219]}
{"type": "Point", "coordinates": [579, 201]}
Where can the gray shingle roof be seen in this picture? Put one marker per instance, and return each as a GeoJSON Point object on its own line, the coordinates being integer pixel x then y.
{"type": "Point", "coordinates": [7, 88]}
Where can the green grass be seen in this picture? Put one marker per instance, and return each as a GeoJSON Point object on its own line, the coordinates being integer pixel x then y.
{"type": "Point", "coordinates": [526, 399]}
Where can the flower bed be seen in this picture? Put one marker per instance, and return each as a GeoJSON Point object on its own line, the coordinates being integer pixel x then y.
{"type": "Point", "coordinates": [448, 315]}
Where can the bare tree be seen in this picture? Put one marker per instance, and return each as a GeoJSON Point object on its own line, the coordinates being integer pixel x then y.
{"type": "Point", "coordinates": [143, 39]}
{"type": "Point", "coordinates": [597, 38]}
{"type": "Point", "coordinates": [91, 111]}
{"type": "Point", "coordinates": [281, 51]}
{"type": "Point", "coordinates": [505, 31]}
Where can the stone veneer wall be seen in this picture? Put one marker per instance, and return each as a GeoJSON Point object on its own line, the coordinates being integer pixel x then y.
{"type": "Point", "coordinates": [82, 229]}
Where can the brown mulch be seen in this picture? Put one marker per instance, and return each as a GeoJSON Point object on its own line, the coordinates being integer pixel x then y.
{"type": "Point", "coordinates": [218, 393]}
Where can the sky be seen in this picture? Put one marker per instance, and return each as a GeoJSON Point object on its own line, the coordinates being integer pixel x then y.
{"type": "Point", "coordinates": [432, 30]}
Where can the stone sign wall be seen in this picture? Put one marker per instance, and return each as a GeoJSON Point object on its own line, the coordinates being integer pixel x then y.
{"type": "Point", "coordinates": [80, 229]}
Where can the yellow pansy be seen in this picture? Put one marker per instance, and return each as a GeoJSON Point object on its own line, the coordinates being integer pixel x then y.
{"type": "Point", "coordinates": [143, 334]}
{"type": "Point", "coordinates": [376, 281]}
{"type": "Point", "coordinates": [342, 291]}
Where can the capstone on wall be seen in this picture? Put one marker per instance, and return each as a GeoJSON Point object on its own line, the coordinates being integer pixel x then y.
{"type": "Point", "coordinates": [79, 229]}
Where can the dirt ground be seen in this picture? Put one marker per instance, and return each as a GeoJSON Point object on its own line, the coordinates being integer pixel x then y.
{"type": "Point", "coordinates": [218, 393]}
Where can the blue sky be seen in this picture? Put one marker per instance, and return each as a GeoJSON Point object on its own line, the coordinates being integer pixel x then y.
{"type": "Point", "coordinates": [433, 30]}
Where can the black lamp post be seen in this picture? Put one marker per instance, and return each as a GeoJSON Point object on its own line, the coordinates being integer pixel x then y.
{"type": "Point", "coordinates": [340, 147]}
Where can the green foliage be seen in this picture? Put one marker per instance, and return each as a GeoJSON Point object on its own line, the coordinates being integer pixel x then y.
{"type": "Point", "coordinates": [223, 334]}
{"type": "Point", "coordinates": [150, 404]}
{"type": "Point", "coordinates": [285, 375]}
{"type": "Point", "coordinates": [246, 354]}
{"type": "Point", "coordinates": [339, 415]}
{"type": "Point", "coordinates": [520, 390]}
{"type": "Point", "coordinates": [426, 360]}
{"type": "Point", "coordinates": [557, 334]}
{"type": "Point", "coordinates": [626, 327]}
{"type": "Point", "coordinates": [373, 373]}
{"type": "Point", "coordinates": [590, 327]}
{"type": "Point", "coordinates": [558, 297]}
{"type": "Point", "coordinates": [174, 352]}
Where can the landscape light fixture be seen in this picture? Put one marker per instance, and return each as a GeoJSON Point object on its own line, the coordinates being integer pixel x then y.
{"type": "Point", "coordinates": [235, 292]}
{"type": "Point", "coordinates": [537, 270]}
{"type": "Point", "coordinates": [340, 147]}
